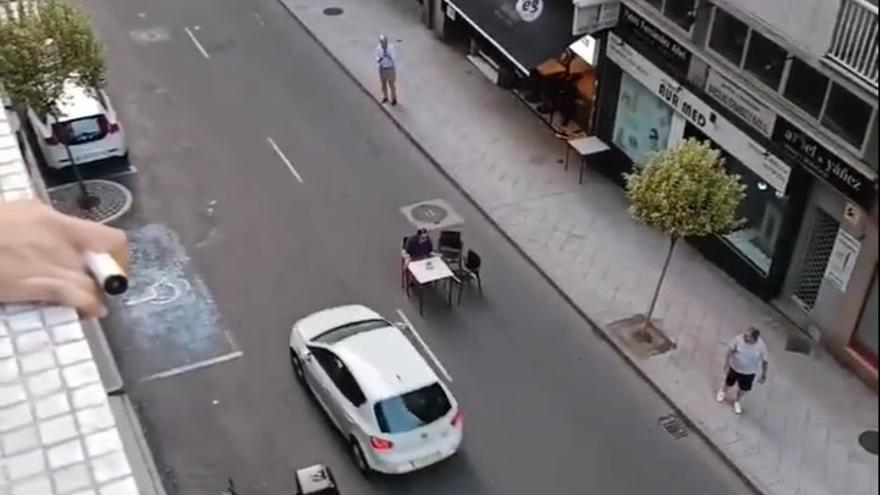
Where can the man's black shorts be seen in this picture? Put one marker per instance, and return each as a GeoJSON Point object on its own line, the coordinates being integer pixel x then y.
{"type": "Point", "coordinates": [744, 382]}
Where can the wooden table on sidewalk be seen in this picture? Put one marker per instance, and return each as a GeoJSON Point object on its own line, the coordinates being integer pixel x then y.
{"type": "Point", "coordinates": [585, 147]}
{"type": "Point", "coordinates": [428, 271]}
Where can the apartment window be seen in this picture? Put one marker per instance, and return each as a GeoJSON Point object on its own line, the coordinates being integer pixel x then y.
{"type": "Point", "coordinates": [847, 115]}
{"type": "Point", "coordinates": [806, 87]}
{"type": "Point", "coordinates": [682, 12]}
{"type": "Point", "coordinates": [765, 60]}
{"type": "Point", "coordinates": [728, 36]}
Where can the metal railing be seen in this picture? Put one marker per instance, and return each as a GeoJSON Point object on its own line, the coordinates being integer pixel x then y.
{"type": "Point", "coordinates": [854, 45]}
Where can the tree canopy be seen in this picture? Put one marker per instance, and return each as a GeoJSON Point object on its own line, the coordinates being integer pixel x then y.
{"type": "Point", "coordinates": [685, 191]}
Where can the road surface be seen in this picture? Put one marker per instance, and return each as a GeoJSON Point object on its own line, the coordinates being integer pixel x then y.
{"type": "Point", "coordinates": [268, 185]}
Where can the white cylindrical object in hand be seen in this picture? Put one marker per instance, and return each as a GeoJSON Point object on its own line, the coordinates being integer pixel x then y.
{"type": "Point", "coordinates": [107, 272]}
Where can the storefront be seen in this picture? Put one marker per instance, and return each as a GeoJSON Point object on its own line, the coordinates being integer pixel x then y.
{"type": "Point", "coordinates": [651, 110]}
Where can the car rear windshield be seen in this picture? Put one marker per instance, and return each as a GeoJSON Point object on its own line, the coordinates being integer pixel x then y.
{"type": "Point", "coordinates": [81, 131]}
{"type": "Point", "coordinates": [412, 410]}
{"type": "Point", "coordinates": [343, 332]}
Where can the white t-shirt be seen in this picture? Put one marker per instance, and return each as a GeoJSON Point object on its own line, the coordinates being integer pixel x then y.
{"type": "Point", "coordinates": [747, 359]}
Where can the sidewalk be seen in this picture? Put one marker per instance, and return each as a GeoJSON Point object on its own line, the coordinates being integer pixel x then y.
{"type": "Point", "coordinates": [799, 432]}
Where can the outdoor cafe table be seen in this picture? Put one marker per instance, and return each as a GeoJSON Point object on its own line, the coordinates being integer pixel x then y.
{"type": "Point", "coordinates": [428, 271]}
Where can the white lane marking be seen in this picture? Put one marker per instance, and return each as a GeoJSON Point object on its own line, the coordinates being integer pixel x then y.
{"type": "Point", "coordinates": [193, 366]}
{"type": "Point", "coordinates": [196, 42]}
{"type": "Point", "coordinates": [284, 159]}
{"type": "Point", "coordinates": [424, 346]}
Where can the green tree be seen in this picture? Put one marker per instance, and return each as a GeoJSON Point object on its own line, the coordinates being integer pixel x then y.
{"type": "Point", "coordinates": [685, 192]}
{"type": "Point", "coordinates": [45, 45]}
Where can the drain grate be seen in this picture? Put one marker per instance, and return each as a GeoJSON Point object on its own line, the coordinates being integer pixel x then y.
{"type": "Point", "coordinates": [799, 344]}
{"type": "Point", "coordinates": [868, 441]}
{"type": "Point", "coordinates": [673, 425]}
{"type": "Point", "coordinates": [434, 214]}
{"type": "Point", "coordinates": [333, 11]}
{"type": "Point", "coordinates": [112, 200]}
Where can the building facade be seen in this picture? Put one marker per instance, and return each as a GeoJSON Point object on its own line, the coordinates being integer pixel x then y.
{"type": "Point", "coordinates": [787, 91]}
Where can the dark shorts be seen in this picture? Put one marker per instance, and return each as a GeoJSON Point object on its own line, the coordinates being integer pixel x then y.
{"type": "Point", "coordinates": [744, 382]}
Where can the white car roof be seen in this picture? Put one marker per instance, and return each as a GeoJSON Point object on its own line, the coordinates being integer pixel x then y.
{"type": "Point", "coordinates": [77, 102]}
{"type": "Point", "coordinates": [385, 363]}
{"type": "Point", "coordinates": [328, 319]}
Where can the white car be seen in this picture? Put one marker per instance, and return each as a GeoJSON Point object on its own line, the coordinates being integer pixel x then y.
{"type": "Point", "coordinates": [381, 394]}
{"type": "Point", "coordinates": [87, 124]}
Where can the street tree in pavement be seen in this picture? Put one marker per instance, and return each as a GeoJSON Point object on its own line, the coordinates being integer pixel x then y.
{"type": "Point", "coordinates": [45, 44]}
{"type": "Point", "coordinates": [685, 192]}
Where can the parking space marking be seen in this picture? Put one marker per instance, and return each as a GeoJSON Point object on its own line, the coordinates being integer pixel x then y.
{"type": "Point", "coordinates": [196, 42]}
{"type": "Point", "coordinates": [424, 346]}
{"type": "Point", "coordinates": [192, 366]}
{"type": "Point", "coordinates": [284, 159]}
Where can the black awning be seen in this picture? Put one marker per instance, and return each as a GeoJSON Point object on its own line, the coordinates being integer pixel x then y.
{"type": "Point", "coordinates": [526, 44]}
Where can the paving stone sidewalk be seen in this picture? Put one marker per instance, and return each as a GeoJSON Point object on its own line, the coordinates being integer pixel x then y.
{"type": "Point", "coordinates": [799, 432]}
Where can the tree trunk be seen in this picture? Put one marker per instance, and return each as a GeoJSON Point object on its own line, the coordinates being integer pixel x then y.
{"type": "Point", "coordinates": [645, 333]}
{"type": "Point", "coordinates": [86, 201]}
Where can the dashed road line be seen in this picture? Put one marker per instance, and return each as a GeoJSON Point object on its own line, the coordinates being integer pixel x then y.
{"type": "Point", "coordinates": [424, 346]}
{"type": "Point", "coordinates": [196, 42]}
{"type": "Point", "coordinates": [192, 366]}
{"type": "Point", "coordinates": [284, 159]}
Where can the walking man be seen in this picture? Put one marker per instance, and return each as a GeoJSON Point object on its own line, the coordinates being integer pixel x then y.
{"type": "Point", "coordinates": [746, 357]}
{"type": "Point", "coordinates": [386, 57]}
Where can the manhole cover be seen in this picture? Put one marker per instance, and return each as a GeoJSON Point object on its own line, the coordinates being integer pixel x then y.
{"type": "Point", "coordinates": [333, 11]}
{"type": "Point", "coordinates": [432, 214]}
{"type": "Point", "coordinates": [798, 344]}
{"type": "Point", "coordinates": [112, 200]}
{"type": "Point", "coordinates": [673, 425]}
{"type": "Point", "coordinates": [868, 441]}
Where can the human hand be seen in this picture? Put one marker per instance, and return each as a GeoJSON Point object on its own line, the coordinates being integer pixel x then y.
{"type": "Point", "coordinates": [762, 379]}
{"type": "Point", "coordinates": [41, 256]}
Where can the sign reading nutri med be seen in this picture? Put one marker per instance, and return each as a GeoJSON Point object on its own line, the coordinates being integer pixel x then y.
{"type": "Point", "coordinates": [804, 150]}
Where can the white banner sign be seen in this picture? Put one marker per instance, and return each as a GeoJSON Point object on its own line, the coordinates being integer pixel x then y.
{"type": "Point", "coordinates": [767, 166]}
{"type": "Point", "coordinates": [746, 106]}
{"type": "Point", "coordinates": [843, 259]}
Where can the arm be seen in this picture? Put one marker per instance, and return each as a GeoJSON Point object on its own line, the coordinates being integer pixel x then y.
{"type": "Point", "coordinates": [765, 366]}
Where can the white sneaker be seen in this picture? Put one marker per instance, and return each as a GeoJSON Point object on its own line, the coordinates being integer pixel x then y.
{"type": "Point", "coordinates": [737, 407]}
{"type": "Point", "coordinates": [721, 395]}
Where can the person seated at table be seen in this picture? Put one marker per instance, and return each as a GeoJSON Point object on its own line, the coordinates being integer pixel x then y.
{"type": "Point", "coordinates": [419, 246]}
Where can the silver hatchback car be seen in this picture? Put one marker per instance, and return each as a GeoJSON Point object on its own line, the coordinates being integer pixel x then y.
{"type": "Point", "coordinates": [381, 394]}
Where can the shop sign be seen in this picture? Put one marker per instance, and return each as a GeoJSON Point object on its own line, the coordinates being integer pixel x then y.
{"type": "Point", "coordinates": [672, 52]}
{"type": "Point", "coordinates": [736, 142]}
{"type": "Point", "coordinates": [803, 149]}
{"type": "Point", "coordinates": [750, 109]}
{"type": "Point", "coordinates": [591, 16]}
{"type": "Point", "coordinates": [530, 10]}
{"type": "Point", "coordinates": [842, 260]}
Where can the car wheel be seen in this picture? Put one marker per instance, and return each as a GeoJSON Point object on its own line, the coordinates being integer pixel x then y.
{"type": "Point", "coordinates": [297, 366]}
{"type": "Point", "coordinates": [360, 460]}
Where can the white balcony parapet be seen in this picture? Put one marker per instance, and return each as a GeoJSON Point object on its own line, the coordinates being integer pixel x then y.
{"type": "Point", "coordinates": [854, 44]}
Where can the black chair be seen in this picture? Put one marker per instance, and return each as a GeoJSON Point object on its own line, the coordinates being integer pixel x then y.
{"type": "Point", "coordinates": [450, 246]}
{"type": "Point", "coordinates": [469, 272]}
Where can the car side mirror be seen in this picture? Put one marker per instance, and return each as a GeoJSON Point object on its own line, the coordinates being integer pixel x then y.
{"type": "Point", "coordinates": [307, 356]}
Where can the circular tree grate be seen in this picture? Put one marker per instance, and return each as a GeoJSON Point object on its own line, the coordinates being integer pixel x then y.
{"type": "Point", "coordinates": [868, 441]}
{"type": "Point", "coordinates": [112, 200]}
{"type": "Point", "coordinates": [333, 11]}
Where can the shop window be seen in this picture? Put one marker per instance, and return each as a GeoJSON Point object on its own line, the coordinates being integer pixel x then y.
{"type": "Point", "coordinates": [765, 60]}
{"type": "Point", "coordinates": [642, 122]}
{"type": "Point", "coordinates": [763, 209]}
{"type": "Point", "coordinates": [728, 36]}
{"type": "Point", "coordinates": [847, 115]}
{"type": "Point", "coordinates": [682, 12]}
{"type": "Point", "coordinates": [806, 87]}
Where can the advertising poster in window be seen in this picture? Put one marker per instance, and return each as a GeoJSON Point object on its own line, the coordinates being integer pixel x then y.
{"type": "Point", "coordinates": [642, 123]}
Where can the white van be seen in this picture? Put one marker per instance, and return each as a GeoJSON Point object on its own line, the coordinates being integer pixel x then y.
{"type": "Point", "coordinates": [87, 123]}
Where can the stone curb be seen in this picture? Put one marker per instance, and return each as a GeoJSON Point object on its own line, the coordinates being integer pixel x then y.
{"type": "Point", "coordinates": [599, 330]}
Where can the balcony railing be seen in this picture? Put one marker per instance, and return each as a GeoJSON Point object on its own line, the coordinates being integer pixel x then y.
{"type": "Point", "coordinates": [854, 45]}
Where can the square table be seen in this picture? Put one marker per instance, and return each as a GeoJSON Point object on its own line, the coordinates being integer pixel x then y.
{"type": "Point", "coordinates": [585, 146]}
{"type": "Point", "coordinates": [427, 271]}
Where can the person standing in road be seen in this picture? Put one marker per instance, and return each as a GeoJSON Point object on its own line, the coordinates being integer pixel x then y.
{"type": "Point", "coordinates": [386, 59]}
{"type": "Point", "coordinates": [746, 357]}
